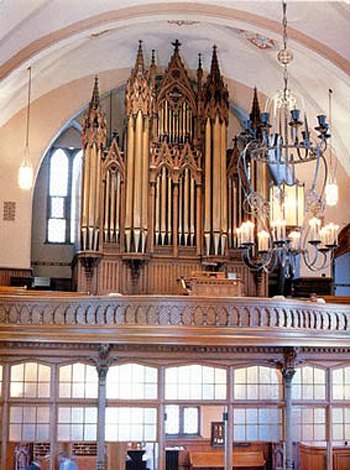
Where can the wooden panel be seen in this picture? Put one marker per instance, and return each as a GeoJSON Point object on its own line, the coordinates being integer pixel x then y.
{"type": "Point", "coordinates": [312, 458]}
{"type": "Point", "coordinates": [341, 458]}
{"type": "Point", "coordinates": [7, 273]}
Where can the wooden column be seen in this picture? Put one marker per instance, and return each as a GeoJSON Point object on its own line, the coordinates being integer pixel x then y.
{"type": "Point", "coordinates": [102, 366]}
{"type": "Point", "coordinates": [288, 370]}
{"type": "Point", "coordinates": [229, 421]}
{"type": "Point", "coordinates": [329, 421]}
{"type": "Point", "coordinates": [53, 415]}
{"type": "Point", "coordinates": [161, 419]}
{"type": "Point", "coordinates": [5, 413]}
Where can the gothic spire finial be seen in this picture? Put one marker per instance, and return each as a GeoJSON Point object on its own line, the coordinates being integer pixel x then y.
{"type": "Point", "coordinates": [255, 116]}
{"type": "Point", "coordinates": [199, 61]}
{"type": "Point", "coordinates": [215, 69]}
{"type": "Point", "coordinates": [176, 45]}
{"type": "Point", "coordinates": [153, 59]}
{"type": "Point", "coordinates": [95, 100]}
{"type": "Point", "coordinates": [139, 64]}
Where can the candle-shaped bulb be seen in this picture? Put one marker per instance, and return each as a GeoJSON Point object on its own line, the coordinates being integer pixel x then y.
{"type": "Point", "coordinates": [279, 230]}
{"type": "Point", "coordinates": [263, 240]}
{"type": "Point", "coordinates": [294, 239]}
{"type": "Point", "coordinates": [315, 225]}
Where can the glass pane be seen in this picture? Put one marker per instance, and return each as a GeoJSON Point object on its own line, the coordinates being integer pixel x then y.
{"type": "Point", "coordinates": [190, 420]}
{"type": "Point", "coordinates": [44, 373]}
{"type": "Point", "coordinates": [57, 230]}
{"type": "Point", "coordinates": [16, 389]}
{"type": "Point", "coordinates": [63, 432]}
{"type": "Point", "coordinates": [57, 207]}
{"type": "Point", "coordinates": [43, 414]}
{"type": "Point", "coordinates": [29, 414]}
{"type": "Point", "coordinates": [65, 373]}
{"type": "Point", "coordinates": [17, 373]}
{"type": "Point", "coordinates": [59, 174]}
{"type": "Point", "coordinates": [75, 196]}
{"type": "Point", "coordinates": [44, 390]}
{"type": "Point", "coordinates": [90, 432]}
{"type": "Point", "coordinates": [172, 423]}
{"type": "Point", "coordinates": [42, 432]}
{"type": "Point", "coordinates": [15, 414]}
{"type": "Point", "coordinates": [77, 415]}
{"type": "Point", "coordinates": [15, 432]}
{"type": "Point", "coordinates": [65, 390]}
{"type": "Point", "coordinates": [28, 432]}
{"type": "Point", "coordinates": [64, 415]}
{"type": "Point", "coordinates": [91, 415]}
{"type": "Point", "coordinates": [31, 372]}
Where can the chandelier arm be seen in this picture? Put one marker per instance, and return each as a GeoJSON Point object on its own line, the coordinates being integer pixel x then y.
{"type": "Point", "coordinates": [313, 266]}
{"type": "Point", "coordinates": [267, 266]}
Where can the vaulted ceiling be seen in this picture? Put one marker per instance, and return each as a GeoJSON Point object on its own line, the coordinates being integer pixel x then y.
{"type": "Point", "coordinates": [69, 41]}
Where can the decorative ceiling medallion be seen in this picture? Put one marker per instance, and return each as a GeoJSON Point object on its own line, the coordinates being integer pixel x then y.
{"type": "Point", "coordinates": [262, 42]}
{"type": "Point", "coordinates": [183, 22]}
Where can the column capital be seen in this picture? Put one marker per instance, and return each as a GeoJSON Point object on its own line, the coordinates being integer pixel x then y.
{"type": "Point", "coordinates": [102, 362]}
{"type": "Point", "coordinates": [288, 365]}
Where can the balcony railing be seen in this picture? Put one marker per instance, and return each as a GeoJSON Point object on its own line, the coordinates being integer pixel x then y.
{"type": "Point", "coordinates": [173, 319]}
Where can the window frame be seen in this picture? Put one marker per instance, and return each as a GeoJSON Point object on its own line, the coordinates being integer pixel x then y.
{"type": "Point", "coordinates": [181, 432]}
{"type": "Point", "coordinates": [70, 153]}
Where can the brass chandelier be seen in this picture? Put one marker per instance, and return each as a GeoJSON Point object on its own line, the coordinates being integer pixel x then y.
{"type": "Point", "coordinates": [277, 159]}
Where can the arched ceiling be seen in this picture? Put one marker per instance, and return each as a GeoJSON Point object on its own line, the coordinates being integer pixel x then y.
{"type": "Point", "coordinates": [66, 41]}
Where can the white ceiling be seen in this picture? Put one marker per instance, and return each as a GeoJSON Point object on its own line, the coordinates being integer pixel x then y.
{"type": "Point", "coordinates": [67, 40]}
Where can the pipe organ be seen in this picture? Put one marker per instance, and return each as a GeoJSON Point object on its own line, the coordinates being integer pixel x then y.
{"type": "Point", "coordinates": [169, 202]}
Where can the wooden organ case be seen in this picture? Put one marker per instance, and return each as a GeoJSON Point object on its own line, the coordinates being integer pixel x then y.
{"type": "Point", "coordinates": [168, 203]}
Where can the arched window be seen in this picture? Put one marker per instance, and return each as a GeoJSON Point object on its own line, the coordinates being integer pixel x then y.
{"type": "Point", "coordinates": [195, 382]}
{"type": "Point", "coordinates": [78, 381]}
{"type": "Point", "coordinates": [64, 171]}
{"type": "Point", "coordinates": [132, 381]}
{"type": "Point", "coordinates": [30, 380]}
{"type": "Point", "coordinates": [257, 383]}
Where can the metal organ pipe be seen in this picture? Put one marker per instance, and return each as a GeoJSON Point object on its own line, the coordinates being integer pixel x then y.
{"type": "Point", "coordinates": [129, 186]}
{"type": "Point", "coordinates": [169, 212]}
{"type": "Point", "coordinates": [117, 205]}
{"type": "Point", "coordinates": [157, 208]}
{"type": "Point", "coordinates": [186, 207]}
{"type": "Point", "coordinates": [192, 213]}
{"type": "Point", "coordinates": [163, 206]}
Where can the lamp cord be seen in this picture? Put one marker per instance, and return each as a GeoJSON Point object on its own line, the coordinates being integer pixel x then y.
{"type": "Point", "coordinates": [28, 104]}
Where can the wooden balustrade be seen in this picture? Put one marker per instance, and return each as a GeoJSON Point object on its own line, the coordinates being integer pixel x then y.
{"type": "Point", "coordinates": [198, 320]}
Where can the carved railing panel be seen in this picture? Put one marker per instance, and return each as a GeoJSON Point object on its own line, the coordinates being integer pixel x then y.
{"type": "Point", "coordinates": [237, 313]}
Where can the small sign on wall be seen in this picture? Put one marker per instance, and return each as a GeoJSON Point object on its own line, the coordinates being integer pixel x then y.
{"type": "Point", "coordinates": [9, 211]}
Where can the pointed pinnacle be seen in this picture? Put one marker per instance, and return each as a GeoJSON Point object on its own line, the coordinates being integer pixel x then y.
{"type": "Point", "coordinates": [153, 60]}
{"type": "Point", "coordinates": [139, 64]}
{"type": "Point", "coordinates": [255, 116]}
{"type": "Point", "coordinates": [214, 68]}
{"type": "Point", "coordinates": [95, 100]}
